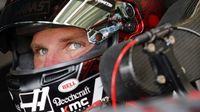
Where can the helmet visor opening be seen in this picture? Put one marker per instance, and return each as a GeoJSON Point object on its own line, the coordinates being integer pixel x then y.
{"type": "Point", "coordinates": [37, 46]}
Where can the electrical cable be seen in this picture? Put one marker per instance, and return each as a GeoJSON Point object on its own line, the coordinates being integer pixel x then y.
{"type": "Point", "coordinates": [187, 29]}
{"type": "Point", "coordinates": [140, 27]}
{"type": "Point", "coordinates": [115, 71]}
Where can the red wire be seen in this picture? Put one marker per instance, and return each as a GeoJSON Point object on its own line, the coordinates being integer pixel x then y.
{"type": "Point", "coordinates": [96, 104]}
{"type": "Point", "coordinates": [140, 27]}
{"type": "Point", "coordinates": [115, 71]}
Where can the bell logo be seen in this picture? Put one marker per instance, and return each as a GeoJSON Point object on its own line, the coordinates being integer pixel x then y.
{"type": "Point", "coordinates": [68, 85]}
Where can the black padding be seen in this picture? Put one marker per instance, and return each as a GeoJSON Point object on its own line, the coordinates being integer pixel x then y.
{"type": "Point", "coordinates": [107, 64]}
{"type": "Point", "coordinates": [6, 103]}
{"type": "Point", "coordinates": [24, 52]}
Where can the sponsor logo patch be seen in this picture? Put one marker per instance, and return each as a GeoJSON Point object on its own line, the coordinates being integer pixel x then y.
{"type": "Point", "coordinates": [68, 85]}
{"type": "Point", "coordinates": [36, 101]}
{"type": "Point", "coordinates": [34, 7]}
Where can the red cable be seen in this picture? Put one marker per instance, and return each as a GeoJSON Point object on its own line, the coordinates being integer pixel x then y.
{"type": "Point", "coordinates": [115, 71]}
{"type": "Point", "coordinates": [140, 24]}
{"type": "Point", "coordinates": [96, 104]}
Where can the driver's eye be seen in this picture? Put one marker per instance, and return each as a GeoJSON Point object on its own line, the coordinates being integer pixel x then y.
{"type": "Point", "coordinates": [42, 51]}
{"type": "Point", "coordinates": [75, 45]}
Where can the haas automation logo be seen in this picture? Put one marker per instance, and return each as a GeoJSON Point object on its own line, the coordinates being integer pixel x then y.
{"type": "Point", "coordinates": [36, 101]}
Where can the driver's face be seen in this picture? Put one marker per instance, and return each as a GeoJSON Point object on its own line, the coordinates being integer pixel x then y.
{"type": "Point", "coordinates": [56, 45]}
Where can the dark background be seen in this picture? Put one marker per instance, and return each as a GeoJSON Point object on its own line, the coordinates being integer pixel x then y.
{"type": "Point", "coordinates": [5, 62]}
